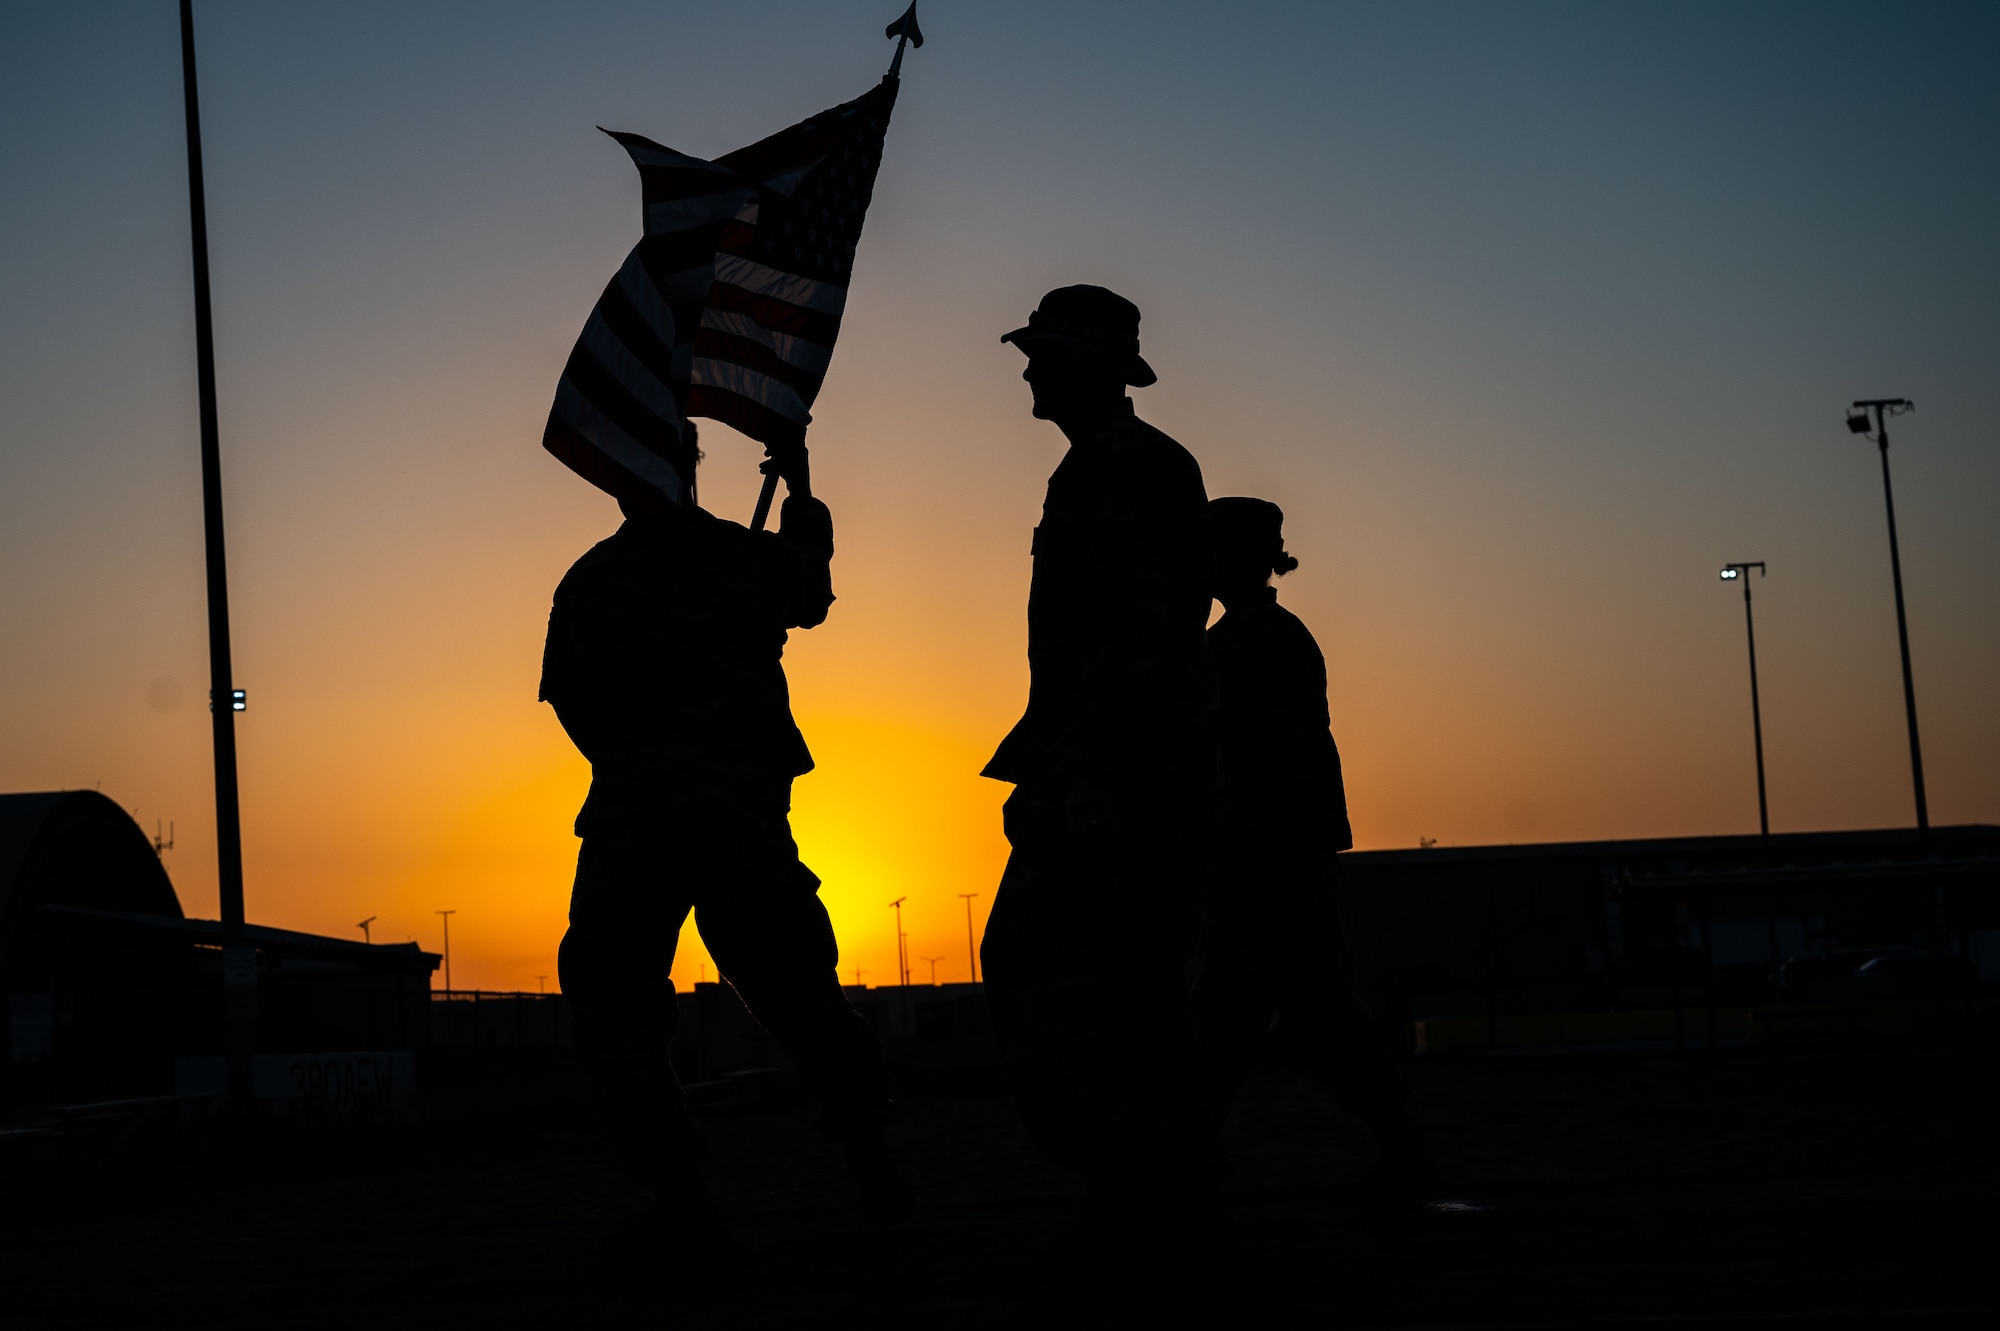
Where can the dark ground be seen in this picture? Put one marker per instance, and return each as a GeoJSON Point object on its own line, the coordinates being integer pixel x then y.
{"type": "Point", "coordinates": [1826, 1190]}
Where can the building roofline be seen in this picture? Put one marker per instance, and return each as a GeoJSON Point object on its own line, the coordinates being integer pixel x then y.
{"type": "Point", "coordinates": [1962, 834]}
{"type": "Point", "coordinates": [265, 938]}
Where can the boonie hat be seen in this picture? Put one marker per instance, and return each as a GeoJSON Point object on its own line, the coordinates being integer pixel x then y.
{"type": "Point", "coordinates": [1097, 327]}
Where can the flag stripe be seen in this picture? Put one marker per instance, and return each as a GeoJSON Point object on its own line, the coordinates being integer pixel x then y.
{"type": "Point", "coordinates": [722, 348]}
{"type": "Point", "coordinates": [774, 314]}
{"type": "Point", "coordinates": [633, 374]}
{"type": "Point", "coordinates": [670, 215]}
{"type": "Point", "coordinates": [575, 414]}
{"type": "Point", "coordinates": [612, 400]}
{"type": "Point", "coordinates": [760, 280]}
{"type": "Point", "coordinates": [589, 461]}
{"type": "Point", "coordinates": [806, 355]}
{"type": "Point", "coordinates": [753, 419]}
{"type": "Point", "coordinates": [765, 390]}
{"type": "Point", "coordinates": [635, 285]}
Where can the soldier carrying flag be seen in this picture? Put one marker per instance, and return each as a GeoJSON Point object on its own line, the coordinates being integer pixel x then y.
{"type": "Point", "coordinates": [665, 645]}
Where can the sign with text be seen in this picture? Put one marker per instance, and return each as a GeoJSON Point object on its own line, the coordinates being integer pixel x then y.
{"type": "Point", "coordinates": [345, 1088]}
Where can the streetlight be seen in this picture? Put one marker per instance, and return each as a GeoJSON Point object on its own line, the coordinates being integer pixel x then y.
{"type": "Point", "coordinates": [902, 957]}
{"type": "Point", "coordinates": [1741, 573]}
{"type": "Point", "coordinates": [1858, 422]}
{"type": "Point", "coordinates": [447, 945]}
{"type": "Point", "coordinates": [933, 961]}
{"type": "Point", "coordinates": [363, 927]}
{"type": "Point", "coordinates": [971, 952]}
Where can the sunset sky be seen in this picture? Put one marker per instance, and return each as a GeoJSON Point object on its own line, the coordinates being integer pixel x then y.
{"type": "Point", "coordinates": [1530, 316]}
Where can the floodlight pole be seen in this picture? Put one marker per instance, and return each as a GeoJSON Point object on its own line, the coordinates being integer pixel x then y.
{"type": "Point", "coordinates": [446, 914]}
{"type": "Point", "coordinates": [1741, 573]}
{"type": "Point", "coordinates": [239, 963]}
{"type": "Point", "coordinates": [1883, 408]}
{"type": "Point", "coordinates": [902, 958]}
{"type": "Point", "coordinates": [971, 952]}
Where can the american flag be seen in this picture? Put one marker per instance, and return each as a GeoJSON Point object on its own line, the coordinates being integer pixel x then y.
{"type": "Point", "coordinates": [728, 307]}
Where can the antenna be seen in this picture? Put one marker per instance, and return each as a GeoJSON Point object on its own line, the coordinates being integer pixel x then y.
{"type": "Point", "coordinates": [162, 846]}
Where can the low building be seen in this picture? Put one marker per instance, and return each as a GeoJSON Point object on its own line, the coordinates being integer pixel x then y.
{"type": "Point", "coordinates": [1592, 926]}
{"type": "Point", "coordinates": [114, 994]}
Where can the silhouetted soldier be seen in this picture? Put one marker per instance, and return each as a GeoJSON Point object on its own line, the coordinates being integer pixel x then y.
{"type": "Point", "coordinates": [664, 665]}
{"type": "Point", "coordinates": [1272, 941]}
{"type": "Point", "coordinates": [1114, 766]}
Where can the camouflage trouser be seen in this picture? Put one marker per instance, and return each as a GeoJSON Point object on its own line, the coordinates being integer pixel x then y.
{"type": "Point", "coordinates": [1272, 946]}
{"type": "Point", "coordinates": [759, 913]}
{"type": "Point", "coordinates": [1086, 956]}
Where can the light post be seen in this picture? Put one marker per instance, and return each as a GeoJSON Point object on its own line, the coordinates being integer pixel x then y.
{"type": "Point", "coordinates": [239, 961]}
{"type": "Point", "coordinates": [1741, 573]}
{"type": "Point", "coordinates": [933, 961]}
{"type": "Point", "coordinates": [902, 957]}
{"type": "Point", "coordinates": [1858, 421]}
{"type": "Point", "coordinates": [971, 952]}
{"type": "Point", "coordinates": [366, 937]}
{"type": "Point", "coordinates": [447, 914]}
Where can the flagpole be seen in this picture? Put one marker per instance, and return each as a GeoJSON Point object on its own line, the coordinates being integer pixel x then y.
{"type": "Point", "coordinates": [903, 29]}
{"type": "Point", "coordinates": [239, 964]}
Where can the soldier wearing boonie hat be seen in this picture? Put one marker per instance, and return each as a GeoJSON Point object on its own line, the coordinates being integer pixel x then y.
{"type": "Point", "coordinates": [1113, 765]}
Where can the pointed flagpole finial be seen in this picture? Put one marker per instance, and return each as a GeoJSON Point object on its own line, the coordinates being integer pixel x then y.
{"type": "Point", "coordinates": [906, 31]}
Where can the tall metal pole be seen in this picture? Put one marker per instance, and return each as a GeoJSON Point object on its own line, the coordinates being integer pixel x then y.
{"type": "Point", "coordinates": [239, 964]}
{"type": "Point", "coordinates": [1883, 409]}
{"type": "Point", "coordinates": [902, 958]}
{"type": "Point", "coordinates": [447, 914]}
{"type": "Point", "coordinates": [1741, 572]}
{"type": "Point", "coordinates": [971, 952]}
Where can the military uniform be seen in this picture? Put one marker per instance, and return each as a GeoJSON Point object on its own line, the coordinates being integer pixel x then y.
{"type": "Point", "coordinates": [1272, 942]}
{"type": "Point", "coordinates": [664, 664]}
{"type": "Point", "coordinates": [1113, 764]}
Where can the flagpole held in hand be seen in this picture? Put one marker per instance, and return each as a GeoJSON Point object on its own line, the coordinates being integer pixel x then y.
{"type": "Point", "coordinates": [907, 33]}
{"type": "Point", "coordinates": [765, 496]}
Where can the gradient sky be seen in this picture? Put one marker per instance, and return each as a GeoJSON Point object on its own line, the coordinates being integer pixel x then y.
{"type": "Point", "coordinates": [1530, 316]}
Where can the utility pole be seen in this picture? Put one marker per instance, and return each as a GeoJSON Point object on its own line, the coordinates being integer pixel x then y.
{"type": "Point", "coordinates": [1741, 573]}
{"type": "Point", "coordinates": [971, 952]}
{"type": "Point", "coordinates": [1859, 423]}
{"type": "Point", "coordinates": [447, 914]}
{"type": "Point", "coordinates": [239, 963]}
{"type": "Point", "coordinates": [902, 957]}
{"type": "Point", "coordinates": [363, 927]}
{"type": "Point", "coordinates": [933, 961]}
{"type": "Point", "coordinates": [541, 984]}
{"type": "Point", "coordinates": [858, 973]}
